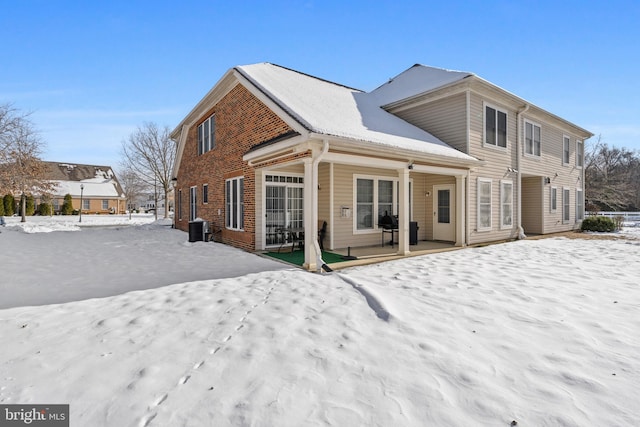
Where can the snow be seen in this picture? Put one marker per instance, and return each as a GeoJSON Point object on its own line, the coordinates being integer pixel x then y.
{"type": "Point", "coordinates": [415, 81]}
{"type": "Point", "coordinates": [331, 109]}
{"type": "Point", "coordinates": [92, 188]}
{"type": "Point", "coordinates": [541, 332]}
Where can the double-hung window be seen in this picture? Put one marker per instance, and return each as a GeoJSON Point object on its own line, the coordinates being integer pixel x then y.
{"type": "Point", "coordinates": [579, 205]}
{"type": "Point", "coordinates": [206, 135]}
{"type": "Point", "coordinates": [566, 213]}
{"type": "Point", "coordinates": [495, 127]}
{"type": "Point", "coordinates": [579, 153]}
{"type": "Point", "coordinates": [364, 203]}
{"type": "Point", "coordinates": [553, 199]}
{"type": "Point", "coordinates": [86, 204]}
{"type": "Point", "coordinates": [532, 139]}
{"type": "Point", "coordinates": [376, 197]}
{"type": "Point", "coordinates": [205, 193]}
{"type": "Point", "coordinates": [506, 204]}
{"type": "Point", "coordinates": [484, 204]}
{"type": "Point", "coordinates": [565, 150]}
{"type": "Point", "coordinates": [234, 194]}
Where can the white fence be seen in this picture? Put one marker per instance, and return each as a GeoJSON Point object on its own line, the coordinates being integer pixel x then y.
{"type": "Point", "coordinates": [627, 217]}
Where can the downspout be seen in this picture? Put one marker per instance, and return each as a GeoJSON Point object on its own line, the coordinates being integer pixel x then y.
{"type": "Point", "coordinates": [321, 265]}
{"type": "Point", "coordinates": [521, 111]}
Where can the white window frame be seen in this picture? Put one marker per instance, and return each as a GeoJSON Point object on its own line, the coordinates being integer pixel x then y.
{"type": "Point", "coordinates": [579, 205]}
{"type": "Point", "coordinates": [206, 140]}
{"type": "Point", "coordinates": [494, 144]}
{"type": "Point", "coordinates": [86, 204]}
{"type": "Point", "coordinates": [504, 183]}
{"type": "Point", "coordinates": [533, 140]}
{"type": "Point", "coordinates": [230, 222]}
{"type": "Point", "coordinates": [374, 212]}
{"type": "Point", "coordinates": [105, 204]}
{"type": "Point", "coordinates": [553, 199]}
{"type": "Point", "coordinates": [193, 203]}
{"type": "Point", "coordinates": [205, 194]}
{"type": "Point", "coordinates": [480, 182]}
{"type": "Point", "coordinates": [180, 204]}
{"type": "Point", "coordinates": [579, 154]}
{"type": "Point", "coordinates": [566, 205]}
{"type": "Point", "coordinates": [566, 150]}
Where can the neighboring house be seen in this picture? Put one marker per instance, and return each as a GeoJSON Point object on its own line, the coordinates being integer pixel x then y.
{"type": "Point", "coordinates": [101, 192]}
{"type": "Point", "coordinates": [466, 161]}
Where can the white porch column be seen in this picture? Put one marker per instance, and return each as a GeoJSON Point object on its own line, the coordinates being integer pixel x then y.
{"type": "Point", "coordinates": [403, 214]}
{"type": "Point", "coordinates": [310, 214]}
{"type": "Point", "coordinates": [461, 208]}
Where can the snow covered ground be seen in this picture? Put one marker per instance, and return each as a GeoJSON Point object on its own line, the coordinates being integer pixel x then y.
{"type": "Point", "coordinates": [541, 332]}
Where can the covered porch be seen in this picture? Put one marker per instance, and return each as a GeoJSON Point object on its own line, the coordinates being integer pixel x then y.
{"type": "Point", "coordinates": [351, 192]}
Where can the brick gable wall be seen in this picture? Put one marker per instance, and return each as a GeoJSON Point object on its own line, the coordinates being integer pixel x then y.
{"type": "Point", "coordinates": [242, 121]}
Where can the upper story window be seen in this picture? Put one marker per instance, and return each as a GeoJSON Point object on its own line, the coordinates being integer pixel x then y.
{"type": "Point", "coordinates": [495, 127]}
{"type": "Point", "coordinates": [565, 150]}
{"type": "Point", "coordinates": [579, 153]}
{"type": "Point", "coordinates": [207, 135]}
{"type": "Point", "coordinates": [532, 139]}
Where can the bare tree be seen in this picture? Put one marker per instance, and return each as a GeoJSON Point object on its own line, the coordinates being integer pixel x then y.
{"type": "Point", "coordinates": [22, 172]}
{"type": "Point", "coordinates": [611, 175]}
{"type": "Point", "coordinates": [150, 152]}
{"type": "Point", "coordinates": [133, 186]}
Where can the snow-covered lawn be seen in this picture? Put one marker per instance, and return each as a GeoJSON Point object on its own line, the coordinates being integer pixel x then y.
{"type": "Point", "coordinates": [541, 332]}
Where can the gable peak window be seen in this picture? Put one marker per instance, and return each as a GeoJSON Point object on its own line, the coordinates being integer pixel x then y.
{"type": "Point", "coordinates": [495, 127]}
{"type": "Point", "coordinates": [207, 135]}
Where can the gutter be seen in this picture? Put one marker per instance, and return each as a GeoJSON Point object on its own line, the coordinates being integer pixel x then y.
{"type": "Point", "coordinates": [519, 129]}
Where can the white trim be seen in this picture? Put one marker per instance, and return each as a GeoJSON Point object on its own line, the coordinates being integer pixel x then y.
{"type": "Point", "coordinates": [581, 157]}
{"type": "Point", "coordinates": [374, 213]}
{"type": "Point", "coordinates": [524, 138]}
{"type": "Point", "coordinates": [579, 213]}
{"type": "Point", "coordinates": [205, 201]}
{"type": "Point", "coordinates": [193, 202]}
{"type": "Point", "coordinates": [566, 205]}
{"type": "Point", "coordinates": [235, 182]}
{"type": "Point", "coordinates": [553, 200]}
{"type": "Point", "coordinates": [480, 180]}
{"type": "Point", "coordinates": [495, 146]}
{"type": "Point", "coordinates": [504, 226]}
{"type": "Point", "coordinates": [566, 138]}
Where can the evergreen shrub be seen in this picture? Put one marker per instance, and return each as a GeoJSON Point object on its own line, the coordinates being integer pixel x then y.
{"type": "Point", "coordinates": [9, 205]}
{"type": "Point", "coordinates": [67, 205]}
{"type": "Point", "coordinates": [598, 223]}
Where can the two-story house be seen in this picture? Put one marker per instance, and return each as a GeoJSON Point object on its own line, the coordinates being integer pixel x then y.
{"type": "Point", "coordinates": [453, 157]}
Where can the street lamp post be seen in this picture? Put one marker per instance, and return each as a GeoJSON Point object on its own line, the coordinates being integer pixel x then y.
{"type": "Point", "coordinates": [81, 191]}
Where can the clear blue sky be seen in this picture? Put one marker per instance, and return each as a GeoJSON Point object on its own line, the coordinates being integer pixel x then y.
{"type": "Point", "coordinates": [92, 71]}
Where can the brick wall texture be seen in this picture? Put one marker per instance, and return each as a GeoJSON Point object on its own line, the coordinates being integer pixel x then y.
{"type": "Point", "coordinates": [241, 122]}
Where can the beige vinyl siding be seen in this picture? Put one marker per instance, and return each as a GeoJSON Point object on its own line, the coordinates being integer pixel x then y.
{"type": "Point", "coordinates": [498, 161]}
{"type": "Point", "coordinates": [549, 165]}
{"type": "Point", "coordinates": [446, 119]}
{"type": "Point", "coordinates": [344, 196]}
{"type": "Point", "coordinates": [533, 204]}
{"type": "Point", "coordinates": [426, 221]}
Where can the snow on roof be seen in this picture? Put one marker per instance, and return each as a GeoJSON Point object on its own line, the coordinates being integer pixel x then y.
{"type": "Point", "coordinates": [91, 188]}
{"type": "Point", "coordinates": [416, 80]}
{"type": "Point", "coordinates": [332, 109]}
